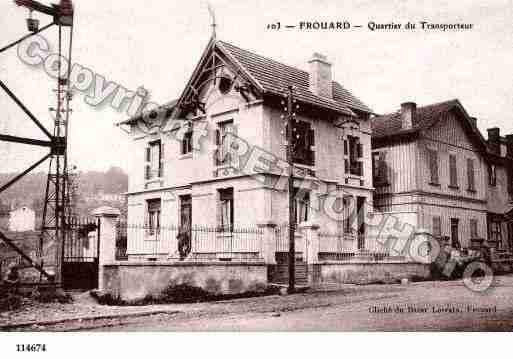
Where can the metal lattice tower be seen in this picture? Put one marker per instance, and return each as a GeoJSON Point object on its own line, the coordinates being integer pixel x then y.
{"type": "Point", "coordinates": [56, 207]}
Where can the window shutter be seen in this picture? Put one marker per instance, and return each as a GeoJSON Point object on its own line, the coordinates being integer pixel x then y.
{"type": "Point", "coordinates": [359, 148]}
{"type": "Point", "coordinates": [360, 168]}
{"type": "Point", "coordinates": [147, 168]}
{"type": "Point", "coordinates": [437, 227]}
{"type": "Point", "coordinates": [311, 137]}
{"type": "Point", "coordinates": [346, 150]}
{"type": "Point", "coordinates": [473, 228]}
{"type": "Point", "coordinates": [161, 162]}
{"type": "Point", "coordinates": [218, 137]}
{"type": "Point", "coordinates": [346, 166]}
{"type": "Point", "coordinates": [470, 174]}
{"type": "Point", "coordinates": [433, 166]}
{"type": "Point", "coordinates": [215, 157]}
{"type": "Point", "coordinates": [453, 172]}
{"type": "Point", "coordinates": [383, 171]}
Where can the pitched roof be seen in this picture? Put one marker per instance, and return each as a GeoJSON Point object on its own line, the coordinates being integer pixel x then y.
{"type": "Point", "coordinates": [389, 125]}
{"type": "Point", "coordinates": [169, 106]}
{"type": "Point", "coordinates": [274, 77]}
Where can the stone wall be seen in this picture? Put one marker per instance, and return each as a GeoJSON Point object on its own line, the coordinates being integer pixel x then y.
{"type": "Point", "coordinates": [132, 281]}
{"type": "Point", "coordinates": [368, 272]}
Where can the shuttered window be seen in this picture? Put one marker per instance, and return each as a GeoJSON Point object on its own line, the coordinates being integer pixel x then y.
{"type": "Point", "coordinates": [302, 207]}
{"type": "Point", "coordinates": [433, 166]}
{"type": "Point", "coordinates": [153, 216]}
{"type": "Point", "coordinates": [471, 175]}
{"type": "Point", "coordinates": [380, 169]}
{"type": "Point", "coordinates": [303, 142]}
{"type": "Point", "coordinates": [473, 228]}
{"type": "Point", "coordinates": [154, 160]}
{"type": "Point", "coordinates": [355, 152]}
{"type": "Point", "coordinates": [453, 171]}
{"type": "Point", "coordinates": [437, 226]}
{"type": "Point", "coordinates": [187, 143]}
{"type": "Point", "coordinates": [222, 155]}
{"type": "Point", "coordinates": [226, 210]}
{"type": "Point", "coordinates": [492, 175]}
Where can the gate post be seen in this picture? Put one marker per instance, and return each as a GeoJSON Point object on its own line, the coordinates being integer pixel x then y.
{"type": "Point", "coordinates": [269, 244]}
{"type": "Point", "coordinates": [107, 239]}
{"type": "Point", "coordinates": [311, 250]}
{"type": "Point", "coordinates": [311, 233]}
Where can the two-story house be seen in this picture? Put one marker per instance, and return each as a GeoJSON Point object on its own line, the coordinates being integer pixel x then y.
{"type": "Point", "coordinates": [432, 161]}
{"type": "Point", "coordinates": [215, 156]}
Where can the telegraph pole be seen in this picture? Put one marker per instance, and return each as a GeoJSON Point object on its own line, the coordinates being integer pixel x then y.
{"type": "Point", "coordinates": [292, 202]}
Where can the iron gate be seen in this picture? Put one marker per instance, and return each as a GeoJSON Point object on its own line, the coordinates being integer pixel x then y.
{"type": "Point", "coordinates": [80, 253]}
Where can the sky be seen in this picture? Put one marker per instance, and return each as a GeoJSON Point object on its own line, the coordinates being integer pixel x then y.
{"type": "Point", "coordinates": [157, 44]}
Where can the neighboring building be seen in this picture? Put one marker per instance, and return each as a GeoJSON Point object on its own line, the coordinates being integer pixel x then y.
{"type": "Point", "coordinates": [22, 220]}
{"type": "Point", "coordinates": [171, 182]}
{"type": "Point", "coordinates": [500, 189]}
{"type": "Point", "coordinates": [432, 161]}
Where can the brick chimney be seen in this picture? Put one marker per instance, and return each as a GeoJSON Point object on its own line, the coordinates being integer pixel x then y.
{"type": "Point", "coordinates": [408, 111]}
{"type": "Point", "coordinates": [320, 76]}
{"type": "Point", "coordinates": [494, 140]}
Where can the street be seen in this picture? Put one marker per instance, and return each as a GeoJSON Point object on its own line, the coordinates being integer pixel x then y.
{"type": "Point", "coordinates": [426, 306]}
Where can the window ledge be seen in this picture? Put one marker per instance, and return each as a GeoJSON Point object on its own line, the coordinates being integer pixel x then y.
{"type": "Point", "coordinates": [185, 156]}
{"type": "Point", "coordinates": [153, 180]}
{"type": "Point", "coordinates": [434, 184]}
{"type": "Point", "coordinates": [471, 190]}
{"type": "Point", "coordinates": [453, 186]}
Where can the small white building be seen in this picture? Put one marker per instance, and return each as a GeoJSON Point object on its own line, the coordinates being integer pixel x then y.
{"type": "Point", "coordinates": [22, 219]}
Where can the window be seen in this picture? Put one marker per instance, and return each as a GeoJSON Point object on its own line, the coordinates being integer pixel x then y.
{"type": "Point", "coordinates": [453, 172]}
{"type": "Point", "coordinates": [348, 214]}
{"type": "Point", "coordinates": [433, 167]}
{"type": "Point", "coordinates": [222, 154]}
{"type": "Point", "coordinates": [492, 175]}
{"type": "Point", "coordinates": [187, 142]}
{"type": "Point", "coordinates": [185, 213]}
{"type": "Point", "coordinates": [302, 198]}
{"type": "Point", "coordinates": [303, 139]}
{"type": "Point", "coordinates": [154, 160]}
{"type": "Point", "coordinates": [153, 222]}
{"type": "Point", "coordinates": [437, 227]}
{"type": "Point", "coordinates": [379, 169]}
{"type": "Point", "coordinates": [353, 149]}
{"type": "Point", "coordinates": [470, 175]}
{"type": "Point", "coordinates": [226, 212]}
{"type": "Point", "coordinates": [495, 233]}
{"type": "Point", "coordinates": [455, 241]}
{"type": "Point", "coordinates": [473, 228]}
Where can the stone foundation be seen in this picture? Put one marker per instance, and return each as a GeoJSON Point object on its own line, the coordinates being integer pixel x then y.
{"type": "Point", "coordinates": [131, 281]}
{"type": "Point", "coordinates": [367, 272]}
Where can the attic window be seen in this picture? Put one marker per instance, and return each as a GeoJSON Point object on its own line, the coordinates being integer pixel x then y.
{"type": "Point", "coordinates": [225, 84]}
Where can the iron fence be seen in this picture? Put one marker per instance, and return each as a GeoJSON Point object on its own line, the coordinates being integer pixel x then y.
{"type": "Point", "coordinates": [281, 234]}
{"type": "Point", "coordinates": [203, 242]}
{"type": "Point", "coordinates": [345, 246]}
